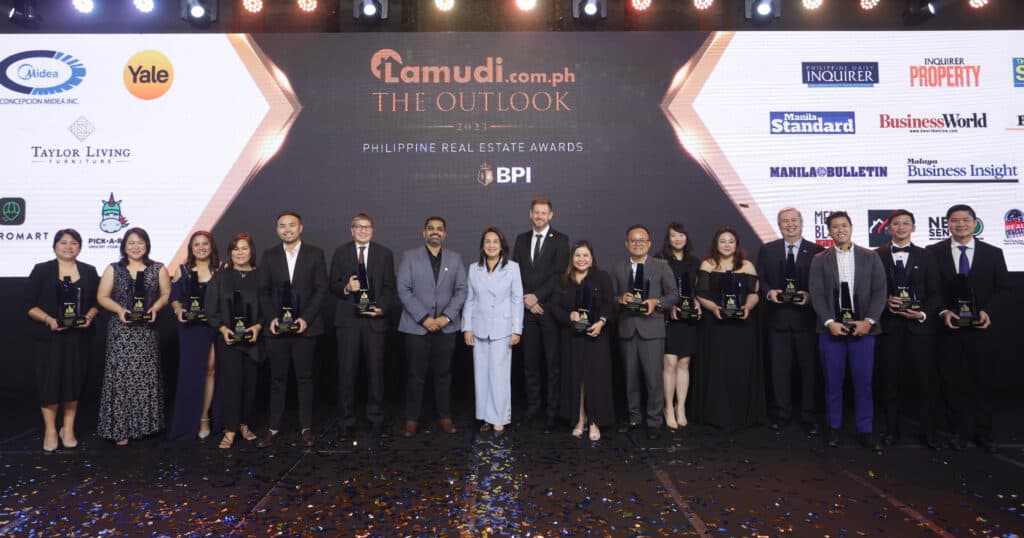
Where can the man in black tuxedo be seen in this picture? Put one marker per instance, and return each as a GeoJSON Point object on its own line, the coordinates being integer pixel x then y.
{"type": "Point", "coordinates": [786, 264]}
{"type": "Point", "coordinates": [362, 272]}
{"type": "Point", "coordinates": [969, 267]}
{"type": "Point", "coordinates": [908, 330]}
{"type": "Point", "coordinates": [542, 255]}
{"type": "Point", "coordinates": [293, 272]}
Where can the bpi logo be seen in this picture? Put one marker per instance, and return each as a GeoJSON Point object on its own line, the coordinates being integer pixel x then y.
{"type": "Point", "coordinates": [1014, 226]}
{"type": "Point", "coordinates": [878, 229]}
{"type": "Point", "coordinates": [486, 175]}
{"type": "Point", "coordinates": [1018, 72]}
{"type": "Point", "coordinates": [148, 75]}
{"type": "Point", "coordinates": [12, 211]}
{"type": "Point", "coordinates": [41, 72]}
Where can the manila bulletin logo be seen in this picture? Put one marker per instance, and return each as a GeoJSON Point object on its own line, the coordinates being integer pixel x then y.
{"type": "Point", "coordinates": [41, 73]}
{"type": "Point", "coordinates": [840, 74]}
{"type": "Point", "coordinates": [1018, 72]}
{"type": "Point", "coordinates": [12, 211]}
{"type": "Point", "coordinates": [111, 218]}
{"type": "Point", "coordinates": [1013, 222]}
{"type": "Point", "coordinates": [827, 172]}
{"type": "Point", "coordinates": [878, 229]}
{"type": "Point", "coordinates": [810, 123]}
{"type": "Point", "coordinates": [945, 73]}
{"type": "Point", "coordinates": [148, 75]}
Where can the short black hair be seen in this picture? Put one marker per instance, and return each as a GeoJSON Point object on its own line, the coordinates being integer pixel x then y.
{"type": "Point", "coordinates": [835, 215]}
{"type": "Point", "coordinates": [961, 207]}
{"type": "Point", "coordinates": [901, 212]}
{"type": "Point", "coordinates": [638, 227]}
{"type": "Point", "coordinates": [67, 231]}
{"type": "Point", "coordinates": [290, 213]}
{"type": "Point", "coordinates": [426, 222]}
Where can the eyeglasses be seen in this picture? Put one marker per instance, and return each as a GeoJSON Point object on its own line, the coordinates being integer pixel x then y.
{"type": "Point", "coordinates": [362, 227]}
{"type": "Point", "coordinates": [638, 241]}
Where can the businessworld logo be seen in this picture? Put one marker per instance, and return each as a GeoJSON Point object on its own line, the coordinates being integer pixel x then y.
{"type": "Point", "coordinates": [938, 228]}
{"type": "Point", "coordinates": [12, 211]}
{"type": "Point", "coordinates": [811, 123]}
{"type": "Point", "coordinates": [486, 174]}
{"type": "Point", "coordinates": [878, 227]}
{"type": "Point", "coordinates": [1013, 223]}
{"type": "Point", "coordinates": [1018, 72]}
{"type": "Point", "coordinates": [828, 172]}
{"type": "Point", "coordinates": [952, 72]}
{"type": "Point", "coordinates": [934, 123]}
{"type": "Point", "coordinates": [840, 74]}
{"type": "Point", "coordinates": [40, 76]}
{"type": "Point", "coordinates": [936, 171]}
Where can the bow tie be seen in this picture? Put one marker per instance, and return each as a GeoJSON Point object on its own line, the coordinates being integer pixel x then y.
{"type": "Point", "coordinates": [896, 249]}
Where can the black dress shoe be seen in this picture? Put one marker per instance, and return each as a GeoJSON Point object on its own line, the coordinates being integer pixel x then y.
{"type": "Point", "coordinates": [811, 428]}
{"type": "Point", "coordinates": [932, 442]}
{"type": "Point", "coordinates": [833, 438]}
{"type": "Point", "coordinates": [987, 444]}
{"type": "Point", "coordinates": [308, 437]}
{"type": "Point", "coordinates": [267, 440]}
{"type": "Point", "coordinates": [378, 430]}
{"type": "Point", "coordinates": [344, 432]}
{"type": "Point", "coordinates": [957, 443]}
{"type": "Point", "coordinates": [549, 425]}
{"type": "Point", "coordinates": [627, 427]}
{"type": "Point", "coordinates": [777, 426]}
{"type": "Point", "coordinates": [889, 439]}
{"type": "Point", "coordinates": [652, 434]}
{"type": "Point", "coordinates": [870, 442]}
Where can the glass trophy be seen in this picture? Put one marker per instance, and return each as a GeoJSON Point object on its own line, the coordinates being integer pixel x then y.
{"type": "Point", "coordinates": [639, 295]}
{"type": "Point", "coordinates": [730, 302]}
{"type": "Point", "coordinates": [966, 308]}
{"type": "Point", "coordinates": [844, 301]}
{"type": "Point", "coordinates": [137, 313]}
{"type": "Point", "coordinates": [790, 293]}
{"type": "Point", "coordinates": [287, 318]}
{"type": "Point", "coordinates": [194, 309]}
{"type": "Point", "coordinates": [69, 297]}
{"type": "Point", "coordinates": [240, 319]}
{"type": "Point", "coordinates": [364, 297]}
{"type": "Point", "coordinates": [687, 302]}
{"type": "Point", "coordinates": [584, 307]}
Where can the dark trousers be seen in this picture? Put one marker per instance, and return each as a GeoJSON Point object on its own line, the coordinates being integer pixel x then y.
{"type": "Point", "coordinates": [236, 378]}
{"type": "Point", "coordinates": [540, 344]}
{"type": "Point", "coordinates": [859, 351]}
{"type": "Point", "coordinates": [296, 351]}
{"type": "Point", "coordinates": [795, 349]}
{"type": "Point", "coordinates": [898, 350]}
{"type": "Point", "coordinates": [352, 340]}
{"type": "Point", "coordinates": [968, 371]}
{"type": "Point", "coordinates": [429, 351]}
{"type": "Point", "coordinates": [643, 356]}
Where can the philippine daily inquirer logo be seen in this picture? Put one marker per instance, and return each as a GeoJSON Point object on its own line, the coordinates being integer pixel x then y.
{"type": "Point", "coordinates": [938, 228]}
{"type": "Point", "coordinates": [934, 123]}
{"type": "Point", "coordinates": [41, 77]}
{"type": "Point", "coordinates": [878, 227]}
{"type": "Point", "coordinates": [939, 171]}
{"type": "Point", "coordinates": [840, 74]}
{"type": "Point", "coordinates": [12, 211]}
{"type": "Point", "coordinates": [82, 154]}
{"type": "Point", "coordinates": [503, 175]}
{"type": "Point", "coordinates": [148, 75]}
{"type": "Point", "coordinates": [828, 172]}
{"type": "Point", "coordinates": [811, 123]}
{"type": "Point", "coordinates": [950, 72]}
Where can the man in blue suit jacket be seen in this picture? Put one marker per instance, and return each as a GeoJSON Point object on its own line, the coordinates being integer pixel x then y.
{"type": "Point", "coordinates": [432, 288]}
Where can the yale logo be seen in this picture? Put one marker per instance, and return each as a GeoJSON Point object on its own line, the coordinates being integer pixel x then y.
{"type": "Point", "coordinates": [148, 75]}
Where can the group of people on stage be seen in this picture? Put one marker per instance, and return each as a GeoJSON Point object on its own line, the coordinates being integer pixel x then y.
{"type": "Point", "coordinates": [875, 311]}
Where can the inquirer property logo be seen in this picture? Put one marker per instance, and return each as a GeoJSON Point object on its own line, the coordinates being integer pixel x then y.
{"type": "Point", "coordinates": [952, 72]}
{"type": "Point", "coordinates": [41, 73]}
{"type": "Point", "coordinates": [810, 123]}
{"type": "Point", "coordinates": [148, 75]}
{"type": "Point", "coordinates": [840, 74]}
{"type": "Point", "coordinates": [12, 211]}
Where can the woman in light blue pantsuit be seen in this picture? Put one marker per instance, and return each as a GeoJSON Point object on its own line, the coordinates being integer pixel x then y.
{"type": "Point", "coordinates": [492, 322]}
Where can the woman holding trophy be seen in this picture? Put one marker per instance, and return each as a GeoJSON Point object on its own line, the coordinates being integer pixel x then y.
{"type": "Point", "coordinates": [681, 324]}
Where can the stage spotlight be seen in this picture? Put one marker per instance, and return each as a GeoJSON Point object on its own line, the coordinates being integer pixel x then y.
{"type": "Point", "coordinates": [918, 11]}
{"type": "Point", "coordinates": [144, 6]}
{"type": "Point", "coordinates": [702, 4]}
{"type": "Point", "coordinates": [370, 11]}
{"type": "Point", "coordinates": [589, 9]}
{"type": "Point", "coordinates": [641, 5]}
{"type": "Point", "coordinates": [812, 4]}
{"type": "Point", "coordinates": [199, 12]}
{"type": "Point", "coordinates": [869, 4]}
{"type": "Point", "coordinates": [761, 11]}
{"type": "Point", "coordinates": [444, 5]}
{"type": "Point", "coordinates": [24, 13]}
{"type": "Point", "coordinates": [977, 3]}
{"type": "Point", "coordinates": [83, 6]}
{"type": "Point", "coordinates": [253, 6]}
{"type": "Point", "coordinates": [526, 5]}
{"type": "Point", "coordinates": [306, 6]}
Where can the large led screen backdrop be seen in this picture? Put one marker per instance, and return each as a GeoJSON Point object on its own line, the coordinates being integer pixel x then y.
{"type": "Point", "coordinates": [182, 132]}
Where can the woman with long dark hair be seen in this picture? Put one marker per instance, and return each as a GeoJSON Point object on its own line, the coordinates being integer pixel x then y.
{"type": "Point", "coordinates": [681, 330]}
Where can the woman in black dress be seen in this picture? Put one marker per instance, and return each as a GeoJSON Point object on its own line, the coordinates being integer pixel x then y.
{"type": "Point", "coordinates": [196, 367]}
{"type": "Point", "coordinates": [132, 402]}
{"type": "Point", "coordinates": [232, 308]}
{"type": "Point", "coordinates": [60, 352]}
{"type": "Point", "coordinates": [586, 354]}
{"type": "Point", "coordinates": [680, 334]}
{"type": "Point", "coordinates": [730, 380]}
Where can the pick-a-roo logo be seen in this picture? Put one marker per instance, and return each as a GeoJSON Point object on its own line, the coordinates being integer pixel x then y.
{"type": "Point", "coordinates": [388, 66]}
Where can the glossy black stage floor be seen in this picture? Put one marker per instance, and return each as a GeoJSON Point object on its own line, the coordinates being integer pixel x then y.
{"type": "Point", "coordinates": [524, 483]}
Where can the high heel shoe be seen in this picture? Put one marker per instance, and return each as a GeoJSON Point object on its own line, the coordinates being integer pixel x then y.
{"type": "Point", "coordinates": [204, 434]}
{"type": "Point", "coordinates": [246, 433]}
{"type": "Point", "coordinates": [577, 432]}
{"type": "Point", "coordinates": [56, 445]}
{"type": "Point", "coordinates": [227, 440]}
{"type": "Point", "coordinates": [670, 419]}
{"type": "Point", "coordinates": [681, 417]}
{"type": "Point", "coordinates": [69, 446]}
{"type": "Point", "coordinates": [595, 433]}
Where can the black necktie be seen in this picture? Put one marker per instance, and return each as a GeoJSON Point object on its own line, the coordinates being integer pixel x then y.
{"type": "Point", "coordinates": [896, 249]}
{"type": "Point", "coordinates": [790, 261]}
{"type": "Point", "coordinates": [965, 264]}
{"type": "Point", "coordinates": [638, 278]}
{"type": "Point", "coordinates": [362, 256]}
{"type": "Point", "coordinates": [536, 249]}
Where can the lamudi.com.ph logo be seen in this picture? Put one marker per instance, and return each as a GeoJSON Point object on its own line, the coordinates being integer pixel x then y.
{"type": "Point", "coordinates": [148, 75]}
{"type": "Point", "coordinates": [387, 65]}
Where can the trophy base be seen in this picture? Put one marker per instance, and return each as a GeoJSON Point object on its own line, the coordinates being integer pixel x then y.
{"type": "Point", "coordinates": [243, 337]}
{"type": "Point", "coordinates": [967, 323]}
{"type": "Point", "coordinates": [637, 307]}
{"type": "Point", "coordinates": [581, 326]}
{"type": "Point", "coordinates": [909, 307]}
{"type": "Point", "coordinates": [790, 298]}
{"type": "Point", "coordinates": [194, 317]}
{"type": "Point", "coordinates": [70, 323]}
{"type": "Point", "coordinates": [365, 308]}
{"type": "Point", "coordinates": [287, 328]}
{"type": "Point", "coordinates": [138, 317]}
{"type": "Point", "coordinates": [732, 314]}
{"type": "Point", "coordinates": [687, 315]}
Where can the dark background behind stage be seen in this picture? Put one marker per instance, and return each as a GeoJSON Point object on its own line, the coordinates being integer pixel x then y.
{"type": "Point", "coordinates": [631, 169]}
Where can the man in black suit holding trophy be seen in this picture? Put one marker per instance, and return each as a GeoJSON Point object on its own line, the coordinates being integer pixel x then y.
{"type": "Point", "coordinates": [783, 267]}
{"type": "Point", "coordinates": [908, 330]}
{"type": "Point", "coordinates": [363, 279]}
{"type": "Point", "coordinates": [975, 285]}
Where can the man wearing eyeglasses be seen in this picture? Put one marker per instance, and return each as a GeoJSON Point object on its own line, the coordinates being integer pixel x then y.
{"type": "Point", "coordinates": [643, 285]}
{"type": "Point", "coordinates": [363, 279]}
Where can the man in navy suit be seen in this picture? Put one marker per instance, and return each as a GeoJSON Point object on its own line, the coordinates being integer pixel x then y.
{"type": "Point", "coordinates": [968, 266]}
{"type": "Point", "coordinates": [781, 264]}
{"type": "Point", "coordinates": [358, 263]}
{"type": "Point", "coordinates": [296, 270]}
{"type": "Point", "coordinates": [432, 288]}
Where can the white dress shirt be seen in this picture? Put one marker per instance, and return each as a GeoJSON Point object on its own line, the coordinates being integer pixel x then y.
{"type": "Point", "coordinates": [533, 239]}
{"type": "Point", "coordinates": [291, 256]}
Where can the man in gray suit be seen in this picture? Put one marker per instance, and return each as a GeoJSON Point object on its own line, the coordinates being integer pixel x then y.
{"type": "Point", "coordinates": [642, 334]}
{"type": "Point", "coordinates": [851, 279]}
{"type": "Point", "coordinates": [432, 288]}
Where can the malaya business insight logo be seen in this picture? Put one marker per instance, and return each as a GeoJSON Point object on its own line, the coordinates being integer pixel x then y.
{"type": "Point", "coordinates": [878, 227]}
{"type": "Point", "coordinates": [810, 123]}
{"type": "Point", "coordinates": [840, 74]}
{"type": "Point", "coordinates": [40, 74]}
{"type": "Point", "coordinates": [935, 171]}
{"type": "Point", "coordinates": [828, 172]}
{"type": "Point", "coordinates": [1013, 222]}
{"type": "Point", "coordinates": [1018, 72]}
{"type": "Point", "coordinates": [952, 72]}
{"type": "Point", "coordinates": [935, 123]}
